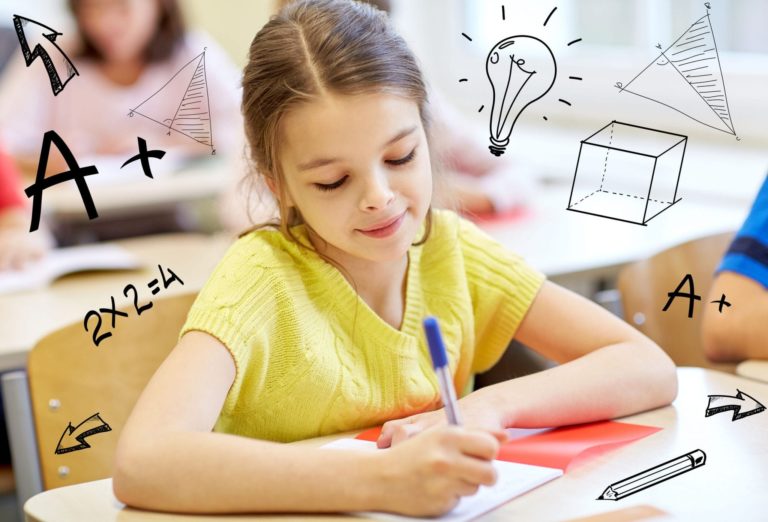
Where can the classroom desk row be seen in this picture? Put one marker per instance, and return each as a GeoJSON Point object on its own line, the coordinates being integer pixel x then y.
{"type": "Point", "coordinates": [729, 486]}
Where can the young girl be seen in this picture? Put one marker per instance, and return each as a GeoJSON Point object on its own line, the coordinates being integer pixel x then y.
{"type": "Point", "coordinates": [315, 328]}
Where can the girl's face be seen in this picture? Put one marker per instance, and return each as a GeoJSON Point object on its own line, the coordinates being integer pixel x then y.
{"type": "Point", "coordinates": [358, 169]}
{"type": "Point", "coordinates": [119, 29]}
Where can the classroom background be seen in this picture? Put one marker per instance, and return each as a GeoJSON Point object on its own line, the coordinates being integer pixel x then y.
{"type": "Point", "coordinates": [198, 197]}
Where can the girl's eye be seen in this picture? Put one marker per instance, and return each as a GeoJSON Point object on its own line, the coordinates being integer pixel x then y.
{"type": "Point", "coordinates": [404, 159]}
{"type": "Point", "coordinates": [331, 186]}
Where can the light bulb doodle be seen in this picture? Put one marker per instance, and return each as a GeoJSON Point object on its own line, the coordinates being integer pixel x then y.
{"type": "Point", "coordinates": [521, 69]}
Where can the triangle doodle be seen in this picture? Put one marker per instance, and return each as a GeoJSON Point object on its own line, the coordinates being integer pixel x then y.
{"type": "Point", "coordinates": [182, 104]}
{"type": "Point", "coordinates": [689, 70]}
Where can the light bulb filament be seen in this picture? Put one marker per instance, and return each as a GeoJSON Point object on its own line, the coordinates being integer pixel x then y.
{"type": "Point", "coordinates": [520, 62]}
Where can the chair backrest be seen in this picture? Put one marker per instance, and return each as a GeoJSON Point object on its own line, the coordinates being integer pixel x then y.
{"type": "Point", "coordinates": [645, 285]}
{"type": "Point", "coordinates": [93, 389]}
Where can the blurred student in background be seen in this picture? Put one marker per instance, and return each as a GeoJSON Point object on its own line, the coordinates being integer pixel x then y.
{"type": "Point", "coordinates": [741, 330]}
{"type": "Point", "coordinates": [129, 50]}
{"type": "Point", "coordinates": [18, 246]}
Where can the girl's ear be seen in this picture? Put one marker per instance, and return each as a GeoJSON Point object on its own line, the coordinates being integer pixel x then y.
{"type": "Point", "coordinates": [270, 181]}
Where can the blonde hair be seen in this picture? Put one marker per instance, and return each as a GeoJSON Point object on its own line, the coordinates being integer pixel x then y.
{"type": "Point", "coordinates": [314, 47]}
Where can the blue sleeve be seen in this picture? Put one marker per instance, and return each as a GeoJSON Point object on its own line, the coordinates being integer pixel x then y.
{"type": "Point", "coordinates": [748, 253]}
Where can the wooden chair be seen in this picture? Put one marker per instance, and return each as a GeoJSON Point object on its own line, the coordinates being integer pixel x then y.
{"type": "Point", "coordinates": [77, 388]}
{"type": "Point", "coordinates": [644, 286]}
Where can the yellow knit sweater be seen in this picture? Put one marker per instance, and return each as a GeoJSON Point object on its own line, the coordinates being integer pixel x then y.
{"type": "Point", "coordinates": [313, 359]}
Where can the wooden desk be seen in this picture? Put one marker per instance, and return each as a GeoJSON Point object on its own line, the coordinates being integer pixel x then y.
{"type": "Point", "coordinates": [27, 317]}
{"type": "Point", "coordinates": [730, 486]}
{"type": "Point", "coordinates": [757, 370]}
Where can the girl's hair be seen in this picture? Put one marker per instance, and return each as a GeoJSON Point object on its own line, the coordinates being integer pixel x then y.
{"type": "Point", "coordinates": [384, 5]}
{"type": "Point", "coordinates": [314, 47]}
{"type": "Point", "coordinates": [168, 33]}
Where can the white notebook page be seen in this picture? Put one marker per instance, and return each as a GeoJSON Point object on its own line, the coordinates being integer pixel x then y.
{"type": "Point", "coordinates": [513, 480]}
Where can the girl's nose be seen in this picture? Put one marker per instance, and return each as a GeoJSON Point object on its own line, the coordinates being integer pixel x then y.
{"type": "Point", "coordinates": [377, 193]}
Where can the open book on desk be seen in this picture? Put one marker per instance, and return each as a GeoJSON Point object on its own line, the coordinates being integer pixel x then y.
{"type": "Point", "coordinates": [529, 458]}
{"type": "Point", "coordinates": [64, 261]}
{"type": "Point", "coordinates": [513, 480]}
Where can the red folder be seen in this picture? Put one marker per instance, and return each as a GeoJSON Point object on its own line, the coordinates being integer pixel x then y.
{"type": "Point", "coordinates": [558, 447]}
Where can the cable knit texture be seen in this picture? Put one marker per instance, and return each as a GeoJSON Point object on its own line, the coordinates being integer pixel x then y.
{"type": "Point", "coordinates": [313, 358]}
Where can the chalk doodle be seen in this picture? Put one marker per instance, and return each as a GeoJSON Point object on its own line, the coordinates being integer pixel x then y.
{"type": "Point", "coordinates": [73, 437]}
{"type": "Point", "coordinates": [689, 72]}
{"type": "Point", "coordinates": [75, 173]}
{"type": "Point", "coordinates": [741, 404]}
{"type": "Point", "coordinates": [187, 112]}
{"type": "Point", "coordinates": [627, 173]}
{"type": "Point", "coordinates": [691, 296]}
{"type": "Point", "coordinates": [655, 475]}
{"type": "Point", "coordinates": [114, 313]}
{"type": "Point", "coordinates": [521, 70]}
{"type": "Point", "coordinates": [57, 63]}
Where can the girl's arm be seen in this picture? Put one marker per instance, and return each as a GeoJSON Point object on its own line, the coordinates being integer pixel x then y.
{"type": "Point", "coordinates": [607, 369]}
{"type": "Point", "coordinates": [168, 459]}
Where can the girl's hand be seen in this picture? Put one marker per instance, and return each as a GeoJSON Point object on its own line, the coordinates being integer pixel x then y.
{"type": "Point", "coordinates": [427, 475]}
{"type": "Point", "coordinates": [476, 411]}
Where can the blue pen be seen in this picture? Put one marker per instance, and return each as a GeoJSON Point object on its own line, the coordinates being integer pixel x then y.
{"type": "Point", "coordinates": [440, 362]}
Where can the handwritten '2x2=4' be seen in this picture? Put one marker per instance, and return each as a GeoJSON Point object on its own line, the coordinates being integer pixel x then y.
{"type": "Point", "coordinates": [152, 285]}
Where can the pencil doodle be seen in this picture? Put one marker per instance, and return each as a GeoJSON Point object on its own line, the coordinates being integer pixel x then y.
{"type": "Point", "coordinates": [722, 302]}
{"type": "Point", "coordinates": [655, 475]}
{"type": "Point", "coordinates": [692, 296]}
{"type": "Point", "coordinates": [114, 312]}
{"type": "Point", "coordinates": [688, 70]}
{"type": "Point", "coordinates": [743, 405]}
{"type": "Point", "coordinates": [143, 156]}
{"type": "Point", "coordinates": [627, 173]}
{"type": "Point", "coordinates": [73, 437]}
{"type": "Point", "coordinates": [57, 63]}
{"type": "Point", "coordinates": [75, 173]}
{"type": "Point", "coordinates": [191, 116]}
{"type": "Point", "coordinates": [521, 70]}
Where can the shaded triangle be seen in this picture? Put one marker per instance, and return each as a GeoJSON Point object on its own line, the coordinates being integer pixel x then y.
{"type": "Point", "coordinates": [695, 57]}
{"type": "Point", "coordinates": [165, 105]}
{"type": "Point", "coordinates": [688, 70]}
{"type": "Point", "coordinates": [193, 117]}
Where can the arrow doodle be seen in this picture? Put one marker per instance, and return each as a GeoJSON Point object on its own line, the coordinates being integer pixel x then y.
{"type": "Point", "coordinates": [37, 51]}
{"type": "Point", "coordinates": [90, 426]}
{"type": "Point", "coordinates": [742, 405]}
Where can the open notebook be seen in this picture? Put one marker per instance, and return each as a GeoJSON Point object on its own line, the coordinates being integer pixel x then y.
{"type": "Point", "coordinates": [64, 261]}
{"type": "Point", "coordinates": [513, 480]}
